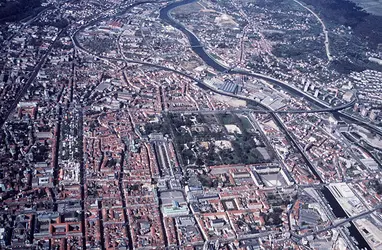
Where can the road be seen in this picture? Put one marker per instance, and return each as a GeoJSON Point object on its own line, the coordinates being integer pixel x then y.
{"type": "Point", "coordinates": [281, 125]}
{"type": "Point", "coordinates": [29, 81]}
{"type": "Point", "coordinates": [212, 62]}
{"type": "Point", "coordinates": [24, 24]}
{"type": "Point", "coordinates": [324, 29]}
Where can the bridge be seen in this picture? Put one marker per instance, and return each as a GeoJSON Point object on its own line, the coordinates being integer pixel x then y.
{"type": "Point", "coordinates": [197, 46]}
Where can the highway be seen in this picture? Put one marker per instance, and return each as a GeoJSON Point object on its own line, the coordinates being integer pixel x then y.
{"type": "Point", "coordinates": [263, 108]}
{"type": "Point", "coordinates": [212, 62]}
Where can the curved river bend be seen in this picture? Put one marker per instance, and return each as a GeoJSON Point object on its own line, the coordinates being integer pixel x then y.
{"type": "Point", "coordinates": [196, 46]}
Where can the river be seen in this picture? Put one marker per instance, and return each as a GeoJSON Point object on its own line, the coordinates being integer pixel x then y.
{"type": "Point", "coordinates": [165, 14]}
{"type": "Point", "coordinates": [340, 213]}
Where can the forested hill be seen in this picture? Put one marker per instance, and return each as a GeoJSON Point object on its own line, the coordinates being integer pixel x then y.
{"type": "Point", "coordinates": [366, 26]}
{"type": "Point", "coordinates": [17, 10]}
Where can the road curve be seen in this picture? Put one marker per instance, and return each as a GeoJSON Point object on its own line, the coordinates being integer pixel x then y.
{"type": "Point", "coordinates": [324, 29]}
